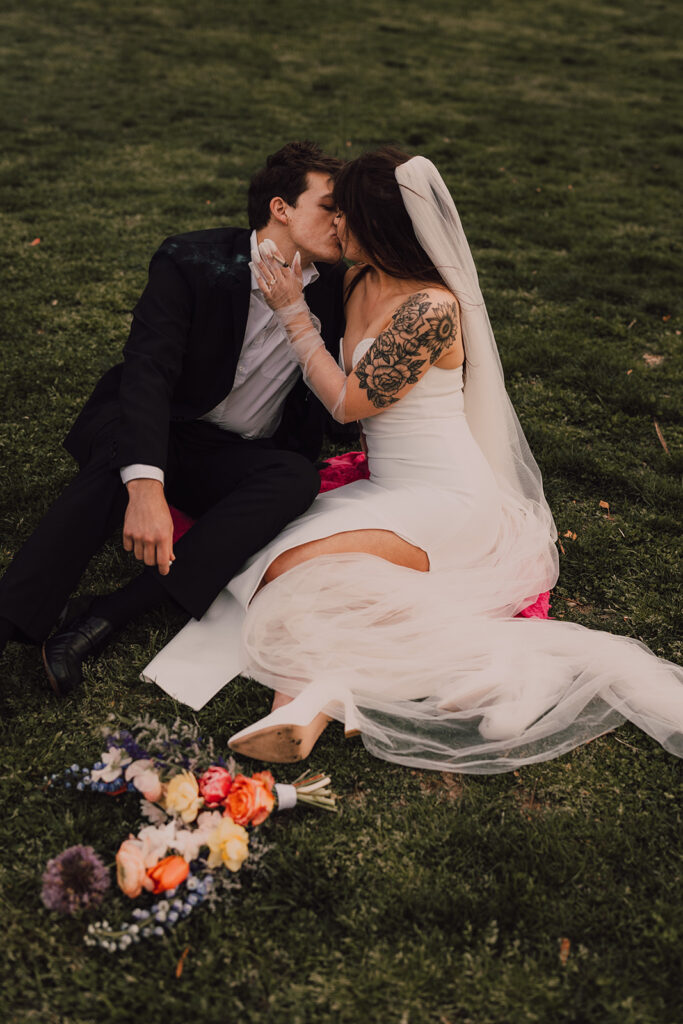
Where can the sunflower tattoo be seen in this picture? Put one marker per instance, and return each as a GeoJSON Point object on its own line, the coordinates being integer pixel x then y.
{"type": "Point", "coordinates": [417, 327]}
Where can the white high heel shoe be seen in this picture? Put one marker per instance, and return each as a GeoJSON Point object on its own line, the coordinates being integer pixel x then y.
{"type": "Point", "coordinates": [290, 733]}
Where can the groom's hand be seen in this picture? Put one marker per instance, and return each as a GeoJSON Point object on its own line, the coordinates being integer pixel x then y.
{"type": "Point", "coordinates": [148, 527]}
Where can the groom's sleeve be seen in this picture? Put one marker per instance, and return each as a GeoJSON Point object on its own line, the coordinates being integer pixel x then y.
{"type": "Point", "coordinates": [153, 359]}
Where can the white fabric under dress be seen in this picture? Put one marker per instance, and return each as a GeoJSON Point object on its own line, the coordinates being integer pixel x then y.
{"type": "Point", "coordinates": [442, 674]}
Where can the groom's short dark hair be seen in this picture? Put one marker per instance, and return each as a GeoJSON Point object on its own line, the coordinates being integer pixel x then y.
{"type": "Point", "coordinates": [285, 175]}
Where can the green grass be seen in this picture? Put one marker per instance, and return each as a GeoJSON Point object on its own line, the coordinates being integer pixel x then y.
{"type": "Point", "coordinates": [430, 899]}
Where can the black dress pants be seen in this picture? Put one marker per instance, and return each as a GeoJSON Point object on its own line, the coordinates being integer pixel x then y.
{"type": "Point", "coordinates": [242, 493]}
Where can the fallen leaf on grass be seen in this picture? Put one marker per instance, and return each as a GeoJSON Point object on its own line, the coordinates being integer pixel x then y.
{"type": "Point", "coordinates": [661, 438]}
{"type": "Point", "coordinates": [666, 317]}
{"type": "Point", "coordinates": [651, 359]}
{"type": "Point", "coordinates": [181, 963]}
{"type": "Point", "coordinates": [565, 946]}
{"type": "Point", "coordinates": [631, 324]}
{"type": "Point", "coordinates": [36, 241]}
{"type": "Point", "coordinates": [629, 372]}
{"type": "Point", "coordinates": [605, 505]}
{"type": "Point", "coordinates": [570, 534]}
{"type": "Point", "coordinates": [580, 607]}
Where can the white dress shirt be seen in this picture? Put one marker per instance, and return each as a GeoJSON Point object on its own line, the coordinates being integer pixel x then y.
{"type": "Point", "coordinates": [266, 373]}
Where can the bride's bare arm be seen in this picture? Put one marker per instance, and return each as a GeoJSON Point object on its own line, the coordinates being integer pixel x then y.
{"type": "Point", "coordinates": [422, 330]}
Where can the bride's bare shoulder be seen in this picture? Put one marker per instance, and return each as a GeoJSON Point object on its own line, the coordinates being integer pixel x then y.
{"type": "Point", "coordinates": [435, 293]}
{"type": "Point", "coordinates": [428, 299]}
{"type": "Point", "coordinates": [429, 319]}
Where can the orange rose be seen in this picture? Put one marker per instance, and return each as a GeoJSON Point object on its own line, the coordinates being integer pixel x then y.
{"type": "Point", "coordinates": [250, 801]}
{"type": "Point", "coordinates": [168, 873]}
{"type": "Point", "coordinates": [266, 778]}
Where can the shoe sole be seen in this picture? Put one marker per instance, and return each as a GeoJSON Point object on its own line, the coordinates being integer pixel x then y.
{"type": "Point", "coordinates": [280, 744]}
{"type": "Point", "coordinates": [51, 679]}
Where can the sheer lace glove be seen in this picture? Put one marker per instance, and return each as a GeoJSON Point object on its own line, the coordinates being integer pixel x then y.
{"type": "Point", "coordinates": [282, 287]}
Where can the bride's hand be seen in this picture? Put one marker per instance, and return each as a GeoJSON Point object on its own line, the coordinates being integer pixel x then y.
{"type": "Point", "coordinates": [280, 284]}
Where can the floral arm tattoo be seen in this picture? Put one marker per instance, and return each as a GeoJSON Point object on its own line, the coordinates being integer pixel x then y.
{"type": "Point", "coordinates": [417, 328]}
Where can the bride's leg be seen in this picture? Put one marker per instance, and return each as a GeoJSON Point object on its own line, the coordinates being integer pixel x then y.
{"type": "Point", "coordinates": [280, 699]}
{"type": "Point", "coordinates": [382, 543]}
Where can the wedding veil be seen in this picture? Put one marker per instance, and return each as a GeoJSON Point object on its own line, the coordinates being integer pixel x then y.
{"type": "Point", "coordinates": [490, 414]}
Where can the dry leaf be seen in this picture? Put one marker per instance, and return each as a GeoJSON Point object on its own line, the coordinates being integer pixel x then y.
{"type": "Point", "coordinates": [561, 547]}
{"type": "Point", "coordinates": [604, 504]}
{"type": "Point", "coordinates": [631, 324]}
{"type": "Point", "coordinates": [565, 946]}
{"type": "Point", "coordinates": [181, 963]}
{"type": "Point", "coordinates": [570, 534]}
{"type": "Point", "coordinates": [666, 317]}
{"type": "Point", "coordinates": [36, 241]}
{"type": "Point", "coordinates": [661, 438]}
{"type": "Point", "coordinates": [651, 359]}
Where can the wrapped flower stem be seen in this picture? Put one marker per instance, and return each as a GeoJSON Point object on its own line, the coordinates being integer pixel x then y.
{"type": "Point", "coordinates": [314, 789]}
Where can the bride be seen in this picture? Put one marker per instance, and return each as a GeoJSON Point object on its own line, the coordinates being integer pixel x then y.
{"type": "Point", "coordinates": [391, 603]}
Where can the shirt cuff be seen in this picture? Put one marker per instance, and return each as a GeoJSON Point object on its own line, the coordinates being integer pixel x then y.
{"type": "Point", "coordinates": [139, 471]}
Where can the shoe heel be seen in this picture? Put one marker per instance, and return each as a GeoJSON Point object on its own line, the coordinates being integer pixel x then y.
{"type": "Point", "coordinates": [340, 694]}
{"type": "Point", "coordinates": [351, 719]}
{"type": "Point", "coordinates": [290, 733]}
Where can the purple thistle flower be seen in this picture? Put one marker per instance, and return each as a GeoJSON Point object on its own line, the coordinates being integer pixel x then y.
{"type": "Point", "coordinates": [74, 880]}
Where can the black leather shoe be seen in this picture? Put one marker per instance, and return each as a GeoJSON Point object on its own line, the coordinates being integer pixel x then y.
{"type": "Point", "coordinates": [74, 608]}
{"type": "Point", "coordinates": [66, 650]}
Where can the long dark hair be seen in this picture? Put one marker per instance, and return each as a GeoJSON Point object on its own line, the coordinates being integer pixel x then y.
{"type": "Point", "coordinates": [367, 192]}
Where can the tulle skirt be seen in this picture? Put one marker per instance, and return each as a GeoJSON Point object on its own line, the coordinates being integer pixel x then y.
{"type": "Point", "coordinates": [442, 676]}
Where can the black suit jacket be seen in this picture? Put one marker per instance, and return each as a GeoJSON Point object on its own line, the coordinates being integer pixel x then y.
{"type": "Point", "coordinates": [182, 352]}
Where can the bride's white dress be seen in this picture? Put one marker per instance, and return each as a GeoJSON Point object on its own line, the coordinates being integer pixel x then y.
{"type": "Point", "coordinates": [429, 483]}
{"type": "Point", "coordinates": [442, 674]}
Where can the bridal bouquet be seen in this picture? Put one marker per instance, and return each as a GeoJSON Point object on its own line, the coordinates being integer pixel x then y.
{"type": "Point", "coordinates": [202, 817]}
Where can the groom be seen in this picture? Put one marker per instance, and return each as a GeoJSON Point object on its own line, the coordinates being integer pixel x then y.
{"type": "Point", "coordinates": [207, 412]}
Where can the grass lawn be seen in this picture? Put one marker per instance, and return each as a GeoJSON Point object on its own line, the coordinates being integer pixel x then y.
{"type": "Point", "coordinates": [440, 899]}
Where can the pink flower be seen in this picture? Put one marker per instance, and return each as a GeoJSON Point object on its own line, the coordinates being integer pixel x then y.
{"type": "Point", "coordinates": [215, 784]}
{"type": "Point", "coordinates": [145, 779]}
{"type": "Point", "coordinates": [131, 873]}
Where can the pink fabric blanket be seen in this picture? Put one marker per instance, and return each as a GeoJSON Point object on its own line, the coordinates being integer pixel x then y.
{"type": "Point", "coordinates": [344, 469]}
